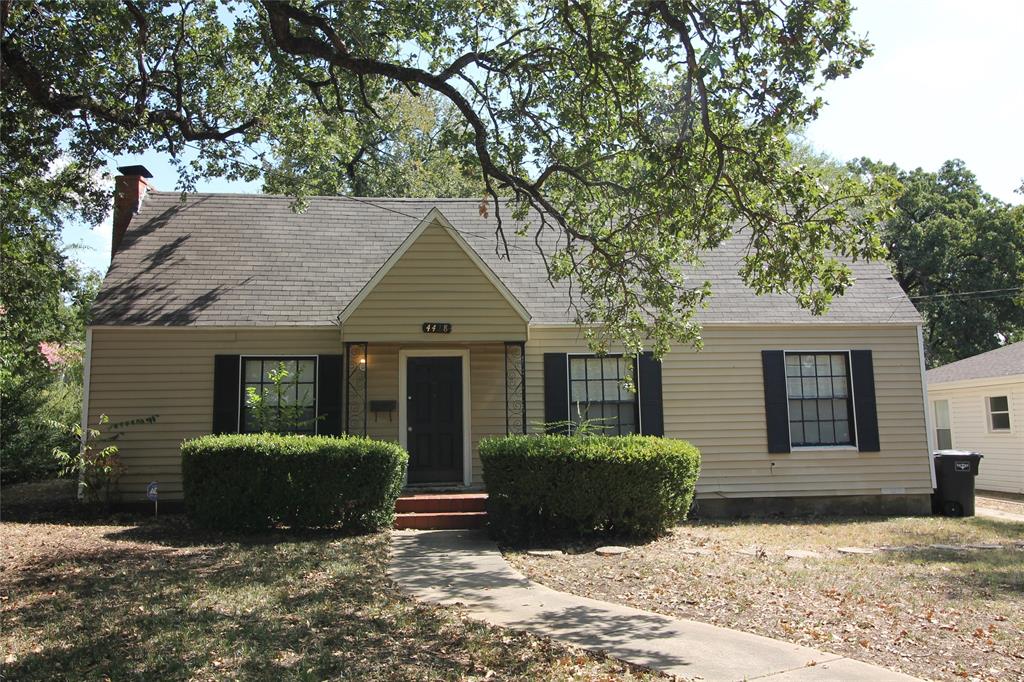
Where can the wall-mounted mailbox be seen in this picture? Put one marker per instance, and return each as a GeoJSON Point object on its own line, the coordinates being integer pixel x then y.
{"type": "Point", "coordinates": [378, 406]}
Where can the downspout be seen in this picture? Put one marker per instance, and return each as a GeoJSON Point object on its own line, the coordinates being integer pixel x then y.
{"type": "Point", "coordinates": [86, 372]}
{"type": "Point", "coordinates": [929, 431]}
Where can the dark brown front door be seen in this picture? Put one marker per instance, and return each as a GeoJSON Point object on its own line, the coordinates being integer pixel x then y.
{"type": "Point", "coordinates": [434, 409]}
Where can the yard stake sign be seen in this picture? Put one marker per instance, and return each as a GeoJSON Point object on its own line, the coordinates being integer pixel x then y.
{"type": "Point", "coordinates": [151, 493]}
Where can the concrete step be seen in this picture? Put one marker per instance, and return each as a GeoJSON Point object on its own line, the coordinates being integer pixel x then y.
{"type": "Point", "coordinates": [440, 520]}
{"type": "Point", "coordinates": [441, 502]}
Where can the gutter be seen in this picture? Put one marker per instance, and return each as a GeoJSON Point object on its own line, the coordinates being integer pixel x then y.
{"type": "Point", "coordinates": [929, 431]}
{"type": "Point", "coordinates": [86, 372]}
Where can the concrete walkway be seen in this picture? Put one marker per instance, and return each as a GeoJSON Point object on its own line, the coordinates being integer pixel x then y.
{"type": "Point", "coordinates": [464, 567]}
{"type": "Point", "coordinates": [990, 513]}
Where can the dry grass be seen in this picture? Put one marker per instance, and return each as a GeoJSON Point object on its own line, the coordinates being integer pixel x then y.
{"type": "Point", "coordinates": [145, 600]}
{"type": "Point", "coordinates": [932, 613]}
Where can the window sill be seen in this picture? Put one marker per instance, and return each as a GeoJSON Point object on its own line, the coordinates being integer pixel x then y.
{"type": "Point", "coordinates": [824, 448]}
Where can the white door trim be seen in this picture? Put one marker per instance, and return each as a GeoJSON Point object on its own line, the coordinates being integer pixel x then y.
{"type": "Point", "coordinates": [403, 396]}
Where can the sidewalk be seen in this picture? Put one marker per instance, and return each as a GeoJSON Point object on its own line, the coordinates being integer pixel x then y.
{"type": "Point", "coordinates": [464, 567]}
{"type": "Point", "coordinates": [998, 514]}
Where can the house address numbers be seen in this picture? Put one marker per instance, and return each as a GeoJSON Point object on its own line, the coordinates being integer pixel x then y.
{"type": "Point", "coordinates": [437, 328]}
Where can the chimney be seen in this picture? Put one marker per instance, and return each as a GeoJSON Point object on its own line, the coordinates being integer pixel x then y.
{"type": "Point", "coordinates": [129, 190]}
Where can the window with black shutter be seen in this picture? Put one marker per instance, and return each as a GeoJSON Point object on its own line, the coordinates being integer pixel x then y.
{"type": "Point", "coordinates": [820, 399]}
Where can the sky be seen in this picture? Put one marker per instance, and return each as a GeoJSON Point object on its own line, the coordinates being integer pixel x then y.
{"type": "Point", "coordinates": [946, 81]}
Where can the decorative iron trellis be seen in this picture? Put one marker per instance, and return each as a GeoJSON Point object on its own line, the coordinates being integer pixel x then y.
{"type": "Point", "coordinates": [355, 388]}
{"type": "Point", "coordinates": [515, 387]}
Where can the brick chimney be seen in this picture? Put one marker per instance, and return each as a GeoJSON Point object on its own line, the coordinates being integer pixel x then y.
{"type": "Point", "coordinates": [129, 190]}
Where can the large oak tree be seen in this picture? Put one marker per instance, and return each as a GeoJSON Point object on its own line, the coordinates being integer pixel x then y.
{"type": "Point", "coordinates": [640, 132]}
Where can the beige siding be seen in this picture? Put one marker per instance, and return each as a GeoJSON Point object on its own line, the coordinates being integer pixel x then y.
{"type": "Point", "coordinates": [1002, 467]}
{"type": "Point", "coordinates": [169, 373]}
{"type": "Point", "coordinates": [139, 372]}
{"type": "Point", "coordinates": [435, 281]}
{"type": "Point", "coordinates": [715, 399]}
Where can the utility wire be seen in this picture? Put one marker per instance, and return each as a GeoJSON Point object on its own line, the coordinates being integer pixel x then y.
{"type": "Point", "coordinates": [980, 294]}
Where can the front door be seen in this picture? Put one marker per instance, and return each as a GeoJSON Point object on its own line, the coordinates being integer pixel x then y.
{"type": "Point", "coordinates": [434, 409]}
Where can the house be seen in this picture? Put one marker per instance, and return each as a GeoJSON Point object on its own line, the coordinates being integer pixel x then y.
{"type": "Point", "coordinates": [402, 323]}
{"type": "Point", "coordinates": [977, 404]}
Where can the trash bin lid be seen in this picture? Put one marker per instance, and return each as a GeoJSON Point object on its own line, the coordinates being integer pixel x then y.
{"type": "Point", "coordinates": [955, 453]}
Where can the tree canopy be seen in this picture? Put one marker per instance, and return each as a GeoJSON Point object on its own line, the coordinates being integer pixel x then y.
{"type": "Point", "coordinates": [640, 132]}
{"type": "Point", "coordinates": [958, 253]}
{"type": "Point", "coordinates": [405, 152]}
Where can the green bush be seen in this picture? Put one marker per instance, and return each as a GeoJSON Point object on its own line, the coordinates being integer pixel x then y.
{"type": "Point", "coordinates": [543, 487]}
{"type": "Point", "coordinates": [259, 480]}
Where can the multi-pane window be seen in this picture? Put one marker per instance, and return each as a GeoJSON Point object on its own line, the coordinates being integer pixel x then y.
{"type": "Point", "coordinates": [943, 433]}
{"type": "Point", "coordinates": [820, 407]}
{"type": "Point", "coordinates": [598, 395]}
{"type": "Point", "coordinates": [279, 395]}
{"type": "Point", "coordinates": [999, 413]}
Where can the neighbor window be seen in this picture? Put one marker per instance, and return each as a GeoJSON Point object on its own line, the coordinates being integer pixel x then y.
{"type": "Point", "coordinates": [598, 396]}
{"type": "Point", "coordinates": [999, 413]}
{"type": "Point", "coordinates": [279, 395]}
{"type": "Point", "coordinates": [943, 434]}
{"type": "Point", "coordinates": [820, 408]}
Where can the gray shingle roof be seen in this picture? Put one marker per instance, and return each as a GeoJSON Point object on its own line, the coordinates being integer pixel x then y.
{"type": "Point", "coordinates": [249, 260]}
{"type": "Point", "coordinates": [1001, 362]}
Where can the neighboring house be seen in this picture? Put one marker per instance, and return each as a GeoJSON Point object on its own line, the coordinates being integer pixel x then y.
{"type": "Point", "coordinates": [402, 323]}
{"type": "Point", "coordinates": [978, 404]}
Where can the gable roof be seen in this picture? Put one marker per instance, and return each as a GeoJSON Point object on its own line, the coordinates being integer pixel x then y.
{"type": "Point", "coordinates": [435, 217]}
{"type": "Point", "coordinates": [250, 260]}
{"type": "Point", "coordinates": [1001, 362]}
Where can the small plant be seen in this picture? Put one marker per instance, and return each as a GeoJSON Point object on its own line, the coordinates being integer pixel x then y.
{"type": "Point", "coordinates": [273, 411]}
{"type": "Point", "coordinates": [98, 468]}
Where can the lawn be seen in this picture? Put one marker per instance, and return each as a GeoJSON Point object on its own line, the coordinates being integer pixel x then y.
{"type": "Point", "coordinates": [936, 613]}
{"type": "Point", "coordinates": [139, 599]}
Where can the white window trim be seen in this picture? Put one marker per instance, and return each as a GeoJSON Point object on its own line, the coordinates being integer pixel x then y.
{"type": "Point", "coordinates": [241, 384]}
{"type": "Point", "coordinates": [636, 384]}
{"type": "Point", "coordinates": [403, 382]}
{"type": "Point", "coordinates": [989, 413]}
{"type": "Point", "coordinates": [935, 421]}
{"type": "Point", "coordinates": [855, 446]}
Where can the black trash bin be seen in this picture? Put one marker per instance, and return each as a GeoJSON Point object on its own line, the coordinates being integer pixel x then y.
{"type": "Point", "coordinates": [954, 478]}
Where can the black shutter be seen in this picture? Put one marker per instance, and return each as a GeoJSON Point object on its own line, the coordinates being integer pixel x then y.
{"type": "Point", "coordinates": [652, 416]}
{"type": "Point", "coordinates": [776, 408]}
{"type": "Point", "coordinates": [865, 413]}
{"type": "Point", "coordinates": [556, 390]}
{"type": "Point", "coordinates": [227, 392]}
{"type": "Point", "coordinates": [329, 383]}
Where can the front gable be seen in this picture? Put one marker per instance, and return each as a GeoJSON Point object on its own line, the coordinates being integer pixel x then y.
{"type": "Point", "coordinates": [434, 276]}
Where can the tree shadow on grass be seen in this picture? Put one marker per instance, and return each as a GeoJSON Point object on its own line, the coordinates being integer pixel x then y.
{"type": "Point", "coordinates": [150, 601]}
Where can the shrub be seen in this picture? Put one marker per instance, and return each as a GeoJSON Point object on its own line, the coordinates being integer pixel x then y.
{"type": "Point", "coordinates": [258, 480]}
{"type": "Point", "coordinates": [542, 487]}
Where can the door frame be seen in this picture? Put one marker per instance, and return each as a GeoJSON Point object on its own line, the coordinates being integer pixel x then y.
{"type": "Point", "coordinates": [403, 397]}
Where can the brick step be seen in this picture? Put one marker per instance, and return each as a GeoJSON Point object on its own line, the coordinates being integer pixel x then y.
{"type": "Point", "coordinates": [440, 503]}
{"type": "Point", "coordinates": [440, 520]}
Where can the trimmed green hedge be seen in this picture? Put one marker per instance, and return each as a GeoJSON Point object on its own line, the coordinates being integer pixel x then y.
{"type": "Point", "coordinates": [259, 480]}
{"type": "Point", "coordinates": [543, 487]}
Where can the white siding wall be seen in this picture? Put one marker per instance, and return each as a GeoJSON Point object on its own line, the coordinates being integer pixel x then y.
{"type": "Point", "coordinates": [1002, 468]}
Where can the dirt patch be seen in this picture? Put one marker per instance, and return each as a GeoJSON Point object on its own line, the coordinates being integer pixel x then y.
{"type": "Point", "coordinates": [118, 600]}
{"type": "Point", "coordinates": [949, 612]}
